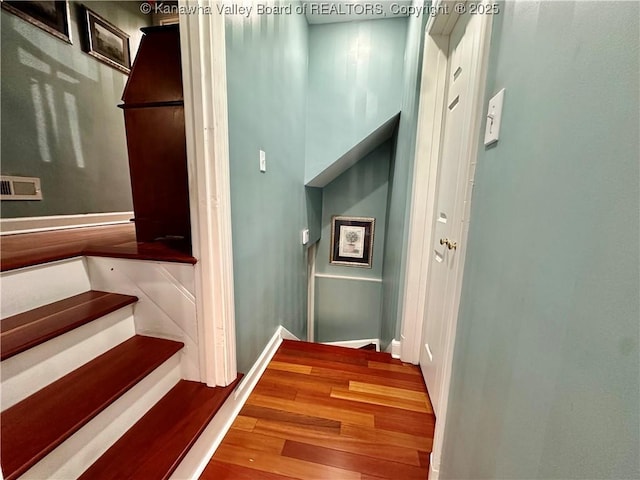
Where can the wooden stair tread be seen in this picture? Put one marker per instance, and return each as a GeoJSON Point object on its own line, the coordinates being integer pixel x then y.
{"type": "Point", "coordinates": [26, 330]}
{"type": "Point", "coordinates": [39, 423]}
{"type": "Point", "coordinates": [156, 444]}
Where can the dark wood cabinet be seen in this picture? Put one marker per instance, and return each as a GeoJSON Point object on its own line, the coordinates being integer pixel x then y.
{"type": "Point", "coordinates": [154, 120]}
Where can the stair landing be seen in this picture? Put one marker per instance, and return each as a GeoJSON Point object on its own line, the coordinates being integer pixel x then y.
{"type": "Point", "coordinates": [322, 411]}
{"type": "Point", "coordinates": [119, 241]}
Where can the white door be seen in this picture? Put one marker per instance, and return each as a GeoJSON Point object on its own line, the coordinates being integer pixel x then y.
{"type": "Point", "coordinates": [449, 209]}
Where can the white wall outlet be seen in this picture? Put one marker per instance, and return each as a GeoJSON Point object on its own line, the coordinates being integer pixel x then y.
{"type": "Point", "coordinates": [263, 161]}
{"type": "Point", "coordinates": [305, 236]}
{"type": "Point", "coordinates": [494, 118]}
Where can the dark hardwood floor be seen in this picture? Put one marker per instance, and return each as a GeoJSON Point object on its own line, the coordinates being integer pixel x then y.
{"type": "Point", "coordinates": [323, 412]}
{"type": "Point", "coordinates": [25, 249]}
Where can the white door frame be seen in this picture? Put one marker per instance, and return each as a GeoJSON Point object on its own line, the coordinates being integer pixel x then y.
{"type": "Point", "coordinates": [311, 292]}
{"type": "Point", "coordinates": [429, 142]}
{"type": "Point", "coordinates": [202, 39]}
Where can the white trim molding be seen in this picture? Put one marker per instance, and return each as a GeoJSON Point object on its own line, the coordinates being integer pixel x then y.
{"type": "Point", "coordinates": [394, 348]}
{"type": "Point", "coordinates": [202, 40]}
{"type": "Point", "coordinates": [424, 194]}
{"type": "Point", "coordinates": [311, 291]}
{"type": "Point", "coordinates": [13, 226]}
{"type": "Point", "coordinates": [201, 452]}
{"type": "Point", "coordinates": [347, 277]}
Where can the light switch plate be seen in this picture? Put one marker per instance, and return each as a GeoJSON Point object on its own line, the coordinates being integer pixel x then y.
{"type": "Point", "coordinates": [494, 118]}
{"type": "Point", "coordinates": [305, 236]}
{"type": "Point", "coordinates": [263, 161]}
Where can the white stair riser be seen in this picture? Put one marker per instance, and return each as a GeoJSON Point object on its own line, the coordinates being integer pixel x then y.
{"type": "Point", "coordinates": [31, 287]}
{"type": "Point", "coordinates": [33, 369]}
{"type": "Point", "coordinates": [83, 448]}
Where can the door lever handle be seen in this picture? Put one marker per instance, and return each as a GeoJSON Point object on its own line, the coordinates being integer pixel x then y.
{"type": "Point", "coordinates": [450, 245]}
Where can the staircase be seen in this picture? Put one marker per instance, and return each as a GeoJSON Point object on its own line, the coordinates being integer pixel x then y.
{"type": "Point", "coordinates": [84, 394]}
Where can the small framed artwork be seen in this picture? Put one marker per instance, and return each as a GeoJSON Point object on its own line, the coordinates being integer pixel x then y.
{"type": "Point", "coordinates": [352, 241]}
{"type": "Point", "coordinates": [50, 16]}
{"type": "Point", "coordinates": [106, 42]}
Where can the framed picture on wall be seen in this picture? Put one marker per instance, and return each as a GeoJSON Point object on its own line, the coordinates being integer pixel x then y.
{"type": "Point", "coordinates": [50, 16]}
{"type": "Point", "coordinates": [352, 241]}
{"type": "Point", "coordinates": [106, 42]}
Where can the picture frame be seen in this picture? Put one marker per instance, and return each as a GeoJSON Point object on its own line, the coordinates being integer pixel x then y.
{"type": "Point", "coordinates": [352, 241]}
{"type": "Point", "coordinates": [51, 16]}
{"type": "Point", "coordinates": [106, 42]}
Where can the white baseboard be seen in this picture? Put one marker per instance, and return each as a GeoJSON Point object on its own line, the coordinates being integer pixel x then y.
{"type": "Point", "coordinates": [356, 343]}
{"type": "Point", "coordinates": [433, 474]}
{"type": "Point", "coordinates": [394, 348]}
{"type": "Point", "coordinates": [12, 226]}
{"type": "Point", "coordinates": [201, 452]}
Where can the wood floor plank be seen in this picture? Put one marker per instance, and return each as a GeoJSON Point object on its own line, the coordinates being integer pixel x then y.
{"type": "Point", "coordinates": [281, 465]}
{"type": "Point", "coordinates": [416, 423]}
{"type": "Point", "coordinates": [302, 350]}
{"type": "Point", "coordinates": [392, 392]}
{"type": "Point", "coordinates": [424, 459]}
{"type": "Point", "coordinates": [398, 423]}
{"type": "Point", "coordinates": [256, 441]}
{"type": "Point", "coordinates": [398, 415]}
{"type": "Point", "coordinates": [387, 437]}
{"type": "Point", "coordinates": [306, 349]}
{"type": "Point", "coordinates": [276, 391]}
{"type": "Point", "coordinates": [301, 382]}
{"type": "Point", "coordinates": [334, 373]}
{"type": "Point", "coordinates": [308, 421]}
{"type": "Point", "coordinates": [289, 367]}
{"type": "Point", "coordinates": [318, 410]}
{"type": "Point", "coordinates": [246, 424]}
{"type": "Point", "coordinates": [401, 403]}
{"type": "Point", "coordinates": [381, 430]}
{"type": "Point", "coordinates": [399, 368]}
{"type": "Point", "coordinates": [330, 363]}
{"type": "Point", "coordinates": [366, 476]}
{"type": "Point", "coordinates": [352, 462]}
{"type": "Point", "coordinates": [344, 443]}
{"type": "Point", "coordinates": [217, 470]}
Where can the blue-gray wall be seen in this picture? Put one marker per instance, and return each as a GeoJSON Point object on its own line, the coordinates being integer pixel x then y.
{"type": "Point", "coordinates": [546, 373]}
{"type": "Point", "coordinates": [60, 119]}
{"type": "Point", "coordinates": [267, 85]}
{"type": "Point", "coordinates": [348, 309]}
{"type": "Point", "coordinates": [355, 85]}
{"type": "Point", "coordinates": [400, 184]}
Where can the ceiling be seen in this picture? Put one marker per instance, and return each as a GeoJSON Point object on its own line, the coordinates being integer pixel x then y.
{"type": "Point", "coordinates": [320, 11]}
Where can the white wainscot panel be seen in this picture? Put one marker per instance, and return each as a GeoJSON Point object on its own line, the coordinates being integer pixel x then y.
{"type": "Point", "coordinates": [166, 306]}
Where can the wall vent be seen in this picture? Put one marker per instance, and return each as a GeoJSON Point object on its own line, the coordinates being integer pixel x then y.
{"type": "Point", "coordinates": [20, 188]}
